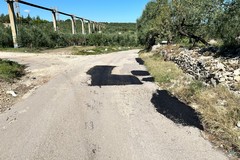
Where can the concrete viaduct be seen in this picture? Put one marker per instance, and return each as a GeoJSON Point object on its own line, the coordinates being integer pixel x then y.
{"type": "Point", "coordinates": [92, 25]}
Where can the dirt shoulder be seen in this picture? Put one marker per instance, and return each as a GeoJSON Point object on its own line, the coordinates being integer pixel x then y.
{"type": "Point", "coordinates": [12, 92]}
{"type": "Point", "coordinates": [39, 70]}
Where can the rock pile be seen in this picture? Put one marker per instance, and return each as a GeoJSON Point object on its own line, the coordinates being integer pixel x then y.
{"type": "Point", "coordinates": [207, 68]}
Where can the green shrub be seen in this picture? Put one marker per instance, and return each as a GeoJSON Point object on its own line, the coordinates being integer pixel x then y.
{"type": "Point", "coordinates": [40, 39]}
{"type": "Point", "coordinates": [36, 37]}
{"type": "Point", "coordinates": [10, 70]}
{"type": "Point", "coordinates": [195, 87]}
{"type": "Point", "coordinates": [25, 37]}
{"type": "Point", "coordinates": [5, 37]}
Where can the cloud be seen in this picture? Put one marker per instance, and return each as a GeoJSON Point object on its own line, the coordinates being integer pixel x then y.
{"type": "Point", "coordinates": [27, 11]}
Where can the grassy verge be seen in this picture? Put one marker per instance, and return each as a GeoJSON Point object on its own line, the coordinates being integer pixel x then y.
{"type": "Point", "coordinates": [218, 108]}
{"type": "Point", "coordinates": [26, 50]}
{"type": "Point", "coordinates": [10, 70]}
{"type": "Point", "coordinates": [97, 50]}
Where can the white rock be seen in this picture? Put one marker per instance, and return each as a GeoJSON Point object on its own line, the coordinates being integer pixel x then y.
{"type": "Point", "coordinates": [12, 93]}
{"type": "Point", "coordinates": [220, 66]}
{"type": "Point", "coordinates": [155, 47]}
{"type": "Point", "coordinates": [222, 79]}
{"type": "Point", "coordinates": [237, 72]}
{"type": "Point", "coordinates": [237, 78]}
{"type": "Point", "coordinates": [238, 124]}
{"type": "Point", "coordinates": [164, 42]}
{"type": "Point", "coordinates": [212, 42]}
{"type": "Point", "coordinates": [230, 78]}
{"type": "Point", "coordinates": [221, 102]}
{"type": "Point", "coordinates": [90, 51]}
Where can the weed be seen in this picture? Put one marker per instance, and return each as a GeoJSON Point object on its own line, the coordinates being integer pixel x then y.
{"type": "Point", "coordinates": [162, 71]}
{"type": "Point", "coordinates": [220, 113]}
{"type": "Point", "coordinates": [10, 70]}
{"type": "Point", "coordinates": [97, 50]}
{"type": "Point", "coordinates": [26, 50]}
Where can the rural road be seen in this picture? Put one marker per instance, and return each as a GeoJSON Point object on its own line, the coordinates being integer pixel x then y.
{"type": "Point", "coordinates": [98, 108]}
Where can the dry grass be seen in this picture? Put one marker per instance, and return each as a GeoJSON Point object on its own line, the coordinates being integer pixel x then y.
{"type": "Point", "coordinates": [163, 72]}
{"type": "Point", "coordinates": [97, 50]}
{"type": "Point", "coordinates": [237, 86]}
{"type": "Point", "coordinates": [220, 111]}
{"type": "Point", "coordinates": [218, 107]}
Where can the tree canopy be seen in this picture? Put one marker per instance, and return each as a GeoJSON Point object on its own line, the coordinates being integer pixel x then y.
{"type": "Point", "coordinates": [198, 20]}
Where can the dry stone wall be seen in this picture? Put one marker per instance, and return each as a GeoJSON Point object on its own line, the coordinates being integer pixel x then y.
{"type": "Point", "coordinates": [211, 70]}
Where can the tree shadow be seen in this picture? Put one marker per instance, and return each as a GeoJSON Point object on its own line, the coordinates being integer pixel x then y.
{"type": "Point", "coordinates": [148, 79]}
{"type": "Point", "coordinates": [175, 110]}
{"type": "Point", "coordinates": [224, 51]}
{"type": "Point", "coordinates": [102, 76]}
{"type": "Point", "coordinates": [140, 73]}
{"type": "Point", "coordinates": [140, 61]}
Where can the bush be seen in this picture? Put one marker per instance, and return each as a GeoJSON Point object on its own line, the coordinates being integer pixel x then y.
{"type": "Point", "coordinates": [25, 37]}
{"type": "Point", "coordinates": [10, 70]}
{"type": "Point", "coordinates": [36, 37]}
{"type": "Point", "coordinates": [5, 37]}
{"type": "Point", "coordinates": [100, 39]}
{"type": "Point", "coordinates": [40, 39]}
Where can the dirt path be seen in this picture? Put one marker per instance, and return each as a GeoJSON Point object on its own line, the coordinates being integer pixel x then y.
{"type": "Point", "coordinates": [94, 107]}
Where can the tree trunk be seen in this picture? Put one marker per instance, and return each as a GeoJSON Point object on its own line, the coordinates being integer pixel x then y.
{"type": "Point", "coordinates": [183, 32]}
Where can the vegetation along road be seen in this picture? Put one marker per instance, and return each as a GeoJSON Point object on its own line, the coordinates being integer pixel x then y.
{"type": "Point", "coordinates": [98, 107]}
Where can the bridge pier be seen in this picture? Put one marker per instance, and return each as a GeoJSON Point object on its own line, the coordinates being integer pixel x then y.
{"type": "Point", "coordinates": [83, 29]}
{"type": "Point", "coordinates": [73, 24]}
{"type": "Point", "coordinates": [13, 24]}
{"type": "Point", "coordinates": [98, 27]}
{"type": "Point", "coordinates": [94, 29]}
{"type": "Point", "coordinates": [54, 20]}
{"type": "Point", "coordinates": [89, 27]}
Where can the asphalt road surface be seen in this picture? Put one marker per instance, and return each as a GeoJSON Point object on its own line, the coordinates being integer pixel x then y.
{"type": "Point", "coordinates": [98, 108]}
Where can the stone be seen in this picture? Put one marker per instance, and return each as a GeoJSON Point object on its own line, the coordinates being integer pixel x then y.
{"type": "Point", "coordinates": [230, 78]}
{"type": "Point", "coordinates": [238, 124]}
{"type": "Point", "coordinates": [90, 51]}
{"type": "Point", "coordinates": [155, 47]}
{"type": "Point", "coordinates": [237, 78]}
{"type": "Point", "coordinates": [164, 42]}
{"type": "Point", "coordinates": [213, 82]}
{"type": "Point", "coordinates": [222, 79]}
{"type": "Point", "coordinates": [220, 66]}
{"type": "Point", "coordinates": [236, 72]}
{"type": "Point", "coordinates": [12, 93]}
{"type": "Point", "coordinates": [227, 74]}
{"type": "Point", "coordinates": [221, 102]}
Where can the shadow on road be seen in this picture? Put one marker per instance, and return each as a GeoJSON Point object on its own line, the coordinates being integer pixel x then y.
{"type": "Point", "coordinates": [140, 73]}
{"type": "Point", "coordinates": [148, 79]}
{"type": "Point", "coordinates": [140, 61]}
{"type": "Point", "coordinates": [175, 110]}
{"type": "Point", "coordinates": [102, 76]}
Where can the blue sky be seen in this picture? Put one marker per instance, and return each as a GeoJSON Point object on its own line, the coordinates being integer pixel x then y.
{"type": "Point", "coordinates": [96, 10]}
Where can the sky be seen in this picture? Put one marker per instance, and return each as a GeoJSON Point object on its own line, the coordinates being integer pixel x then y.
{"type": "Point", "coordinates": [96, 10]}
